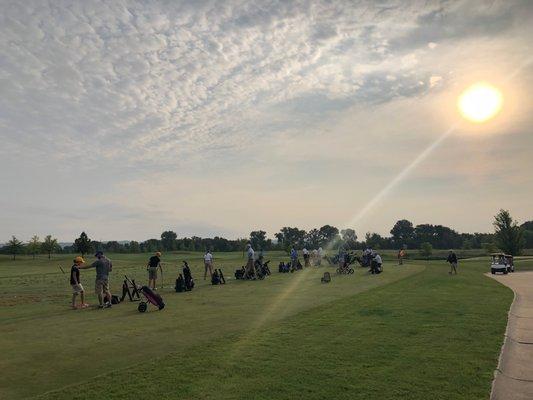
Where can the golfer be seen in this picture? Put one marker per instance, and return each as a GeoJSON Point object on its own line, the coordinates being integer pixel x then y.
{"type": "Point", "coordinates": [294, 258]}
{"type": "Point", "coordinates": [153, 264]}
{"type": "Point", "coordinates": [452, 259]}
{"type": "Point", "coordinates": [208, 264]}
{"type": "Point", "coordinates": [401, 255]}
{"type": "Point", "coordinates": [250, 269]}
{"type": "Point", "coordinates": [103, 267]}
{"type": "Point", "coordinates": [306, 254]}
{"type": "Point", "coordinates": [77, 288]}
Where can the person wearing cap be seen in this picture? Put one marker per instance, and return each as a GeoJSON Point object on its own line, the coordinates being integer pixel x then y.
{"type": "Point", "coordinates": [153, 264]}
{"type": "Point", "coordinates": [103, 267]}
{"type": "Point", "coordinates": [452, 260]}
{"type": "Point", "coordinates": [77, 288]}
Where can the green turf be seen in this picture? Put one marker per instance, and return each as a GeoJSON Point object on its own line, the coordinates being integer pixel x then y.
{"type": "Point", "coordinates": [413, 332]}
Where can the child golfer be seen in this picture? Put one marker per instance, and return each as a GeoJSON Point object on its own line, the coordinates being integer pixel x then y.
{"type": "Point", "coordinates": [77, 288]}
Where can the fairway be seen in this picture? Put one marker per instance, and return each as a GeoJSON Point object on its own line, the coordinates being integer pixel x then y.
{"type": "Point", "coordinates": [403, 334]}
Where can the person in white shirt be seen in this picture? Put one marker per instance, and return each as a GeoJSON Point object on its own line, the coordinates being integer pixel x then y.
{"type": "Point", "coordinates": [250, 268]}
{"type": "Point", "coordinates": [208, 263]}
{"type": "Point", "coordinates": [315, 257]}
{"type": "Point", "coordinates": [376, 264]}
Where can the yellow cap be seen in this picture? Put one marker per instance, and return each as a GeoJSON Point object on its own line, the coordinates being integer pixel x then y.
{"type": "Point", "coordinates": [79, 260]}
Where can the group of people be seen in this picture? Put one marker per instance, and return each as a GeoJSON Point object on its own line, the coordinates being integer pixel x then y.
{"type": "Point", "coordinates": [103, 267]}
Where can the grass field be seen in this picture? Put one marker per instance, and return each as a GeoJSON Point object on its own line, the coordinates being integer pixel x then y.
{"type": "Point", "coordinates": [413, 332]}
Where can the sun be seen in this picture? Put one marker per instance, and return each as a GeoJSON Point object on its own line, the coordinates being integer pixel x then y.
{"type": "Point", "coordinates": [480, 102]}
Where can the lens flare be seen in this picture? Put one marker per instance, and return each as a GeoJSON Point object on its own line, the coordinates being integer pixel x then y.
{"type": "Point", "coordinates": [480, 102]}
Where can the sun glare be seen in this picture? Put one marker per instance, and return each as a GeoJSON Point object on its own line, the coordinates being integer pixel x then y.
{"type": "Point", "coordinates": [480, 102]}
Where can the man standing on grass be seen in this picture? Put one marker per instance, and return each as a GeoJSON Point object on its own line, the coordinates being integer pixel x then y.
{"type": "Point", "coordinates": [250, 269]}
{"type": "Point", "coordinates": [153, 264]}
{"type": "Point", "coordinates": [452, 259]}
{"type": "Point", "coordinates": [103, 266]}
{"type": "Point", "coordinates": [294, 258]}
{"type": "Point", "coordinates": [306, 254]}
{"type": "Point", "coordinates": [208, 264]}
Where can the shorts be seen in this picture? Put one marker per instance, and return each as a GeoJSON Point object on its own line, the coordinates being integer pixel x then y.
{"type": "Point", "coordinates": [152, 273]}
{"type": "Point", "coordinates": [101, 285]}
{"type": "Point", "coordinates": [77, 289]}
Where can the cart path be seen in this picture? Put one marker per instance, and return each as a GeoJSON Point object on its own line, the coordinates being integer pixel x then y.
{"type": "Point", "coordinates": [513, 379]}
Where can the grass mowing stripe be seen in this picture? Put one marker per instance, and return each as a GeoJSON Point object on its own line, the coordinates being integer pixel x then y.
{"type": "Point", "coordinates": [429, 336]}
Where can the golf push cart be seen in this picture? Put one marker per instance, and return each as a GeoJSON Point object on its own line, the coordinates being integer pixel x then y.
{"type": "Point", "coordinates": [502, 263]}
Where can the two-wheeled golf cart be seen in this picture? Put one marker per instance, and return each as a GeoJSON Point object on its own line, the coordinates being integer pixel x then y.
{"type": "Point", "coordinates": [502, 263]}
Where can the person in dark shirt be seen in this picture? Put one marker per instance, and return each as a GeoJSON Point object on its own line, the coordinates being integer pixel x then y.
{"type": "Point", "coordinates": [77, 288]}
{"type": "Point", "coordinates": [452, 259]}
{"type": "Point", "coordinates": [153, 264]}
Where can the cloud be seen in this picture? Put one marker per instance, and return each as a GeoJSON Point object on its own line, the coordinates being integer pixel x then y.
{"type": "Point", "coordinates": [99, 95]}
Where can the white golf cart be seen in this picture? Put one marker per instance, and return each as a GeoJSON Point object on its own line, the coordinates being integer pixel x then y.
{"type": "Point", "coordinates": [502, 263]}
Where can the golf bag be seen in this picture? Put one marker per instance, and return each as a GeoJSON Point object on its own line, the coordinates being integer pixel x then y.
{"type": "Point", "coordinates": [114, 299]}
{"type": "Point", "coordinates": [261, 269]}
{"type": "Point", "coordinates": [187, 276]}
{"type": "Point", "coordinates": [326, 278]}
{"type": "Point", "coordinates": [240, 273]}
{"type": "Point", "coordinates": [283, 268]}
{"type": "Point", "coordinates": [218, 277]}
{"type": "Point", "coordinates": [180, 284]}
{"type": "Point", "coordinates": [151, 297]}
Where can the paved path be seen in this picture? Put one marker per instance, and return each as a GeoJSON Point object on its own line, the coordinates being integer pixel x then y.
{"type": "Point", "coordinates": [513, 378]}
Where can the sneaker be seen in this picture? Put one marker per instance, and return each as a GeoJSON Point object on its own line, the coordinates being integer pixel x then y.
{"type": "Point", "coordinates": [107, 305]}
{"type": "Point", "coordinates": [101, 306]}
{"type": "Point", "coordinates": [84, 305]}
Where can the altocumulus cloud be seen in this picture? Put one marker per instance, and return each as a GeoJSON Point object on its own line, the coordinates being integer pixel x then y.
{"type": "Point", "coordinates": [152, 84]}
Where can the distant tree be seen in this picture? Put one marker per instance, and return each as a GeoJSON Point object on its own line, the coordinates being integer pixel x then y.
{"type": "Point", "coordinates": [312, 239]}
{"type": "Point", "coordinates": [134, 247]}
{"type": "Point", "coordinates": [328, 234]}
{"type": "Point", "coordinates": [82, 244]}
{"type": "Point", "coordinates": [288, 237]}
{"type": "Point", "coordinates": [373, 240]}
{"type": "Point", "coordinates": [489, 247]}
{"type": "Point", "coordinates": [14, 247]}
{"type": "Point", "coordinates": [50, 245]}
{"type": "Point", "coordinates": [509, 236]}
{"type": "Point", "coordinates": [258, 239]}
{"type": "Point", "coordinates": [168, 240]}
{"type": "Point", "coordinates": [349, 237]}
{"type": "Point", "coordinates": [527, 227]}
{"type": "Point", "coordinates": [426, 249]}
{"type": "Point", "coordinates": [402, 232]}
{"type": "Point", "coordinates": [467, 244]}
{"type": "Point", "coordinates": [34, 245]}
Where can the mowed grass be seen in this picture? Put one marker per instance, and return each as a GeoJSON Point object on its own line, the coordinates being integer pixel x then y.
{"type": "Point", "coordinates": [413, 332]}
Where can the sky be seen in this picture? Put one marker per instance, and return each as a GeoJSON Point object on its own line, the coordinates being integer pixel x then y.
{"type": "Point", "coordinates": [127, 118]}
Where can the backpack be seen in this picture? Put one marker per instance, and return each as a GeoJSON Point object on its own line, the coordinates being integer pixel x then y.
{"type": "Point", "coordinates": [239, 273]}
{"type": "Point", "coordinates": [180, 284]}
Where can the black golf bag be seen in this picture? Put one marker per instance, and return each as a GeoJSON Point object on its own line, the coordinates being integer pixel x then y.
{"type": "Point", "coordinates": [187, 277]}
{"type": "Point", "coordinates": [239, 273]}
{"type": "Point", "coordinates": [180, 284]}
{"type": "Point", "coordinates": [326, 278]}
{"type": "Point", "coordinates": [218, 277]}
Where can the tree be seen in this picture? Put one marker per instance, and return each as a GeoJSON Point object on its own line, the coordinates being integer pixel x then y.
{"type": "Point", "coordinates": [288, 237]}
{"type": "Point", "coordinates": [82, 244]}
{"type": "Point", "coordinates": [373, 240]}
{"type": "Point", "coordinates": [168, 240]}
{"type": "Point", "coordinates": [349, 237]}
{"type": "Point", "coordinates": [328, 234]}
{"type": "Point", "coordinates": [426, 249]}
{"type": "Point", "coordinates": [402, 232]}
{"type": "Point", "coordinates": [508, 235]}
{"type": "Point", "coordinates": [258, 239]}
{"type": "Point", "coordinates": [14, 247]}
{"type": "Point", "coordinates": [49, 245]}
{"type": "Point", "coordinates": [34, 245]}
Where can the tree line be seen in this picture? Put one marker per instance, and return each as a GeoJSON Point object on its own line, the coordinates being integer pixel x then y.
{"type": "Point", "coordinates": [508, 236]}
